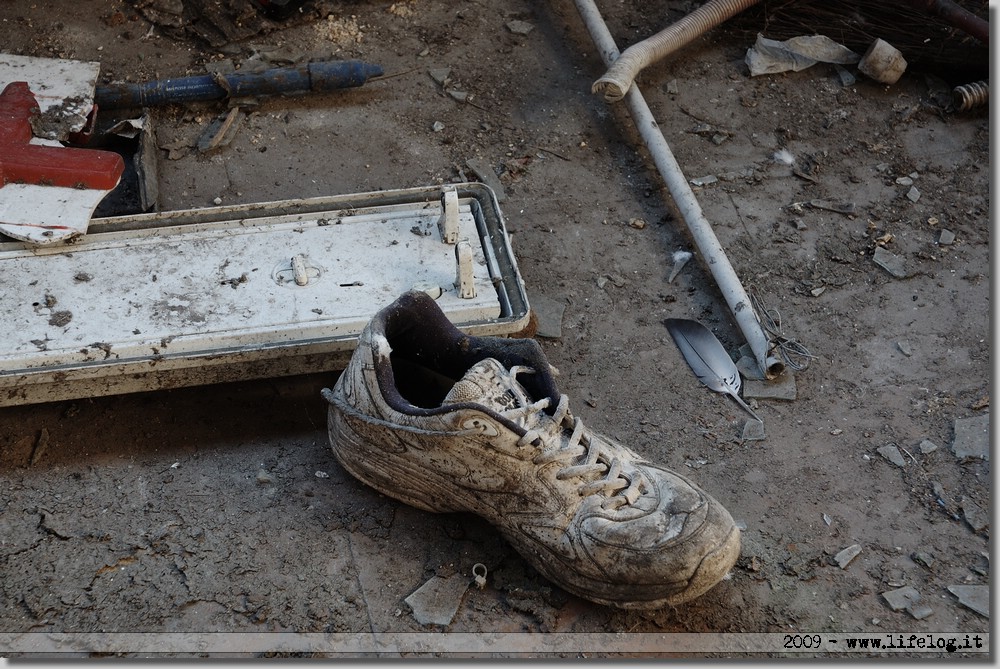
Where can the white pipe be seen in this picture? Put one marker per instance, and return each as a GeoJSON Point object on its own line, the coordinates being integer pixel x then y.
{"type": "Point", "coordinates": [701, 230]}
{"type": "Point", "coordinates": [620, 75]}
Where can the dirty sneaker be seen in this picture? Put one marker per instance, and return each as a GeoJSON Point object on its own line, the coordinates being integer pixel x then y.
{"type": "Point", "coordinates": [445, 421]}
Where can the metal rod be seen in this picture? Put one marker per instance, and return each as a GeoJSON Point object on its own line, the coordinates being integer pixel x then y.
{"type": "Point", "coordinates": [701, 230]}
{"type": "Point", "coordinates": [956, 16]}
{"type": "Point", "coordinates": [316, 77]}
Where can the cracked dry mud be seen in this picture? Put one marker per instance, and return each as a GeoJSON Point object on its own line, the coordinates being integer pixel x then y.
{"type": "Point", "coordinates": [221, 508]}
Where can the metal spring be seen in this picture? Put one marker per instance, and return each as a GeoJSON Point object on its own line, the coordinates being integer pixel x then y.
{"type": "Point", "coordinates": [972, 95]}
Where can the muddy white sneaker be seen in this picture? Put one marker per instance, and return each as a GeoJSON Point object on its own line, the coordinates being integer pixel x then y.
{"type": "Point", "coordinates": [449, 422]}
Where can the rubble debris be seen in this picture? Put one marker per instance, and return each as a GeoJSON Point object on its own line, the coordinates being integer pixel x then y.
{"type": "Point", "coordinates": [221, 131]}
{"type": "Point", "coordinates": [769, 56]}
{"type": "Point", "coordinates": [846, 208]}
{"type": "Point", "coordinates": [41, 445]}
{"type": "Point", "coordinates": [550, 314]}
{"type": "Point", "coordinates": [890, 262]}
{"type": "Point", "coordinates": [901, 598]}
{"type": "Point", "coordinates": [705, 180]}
{"type": "Point", "coordinates": [892, 454]}
{"type": "Point", "coordinates": [945, 237]}
{"type": "Point", "coordinates": [972, 437]}
{"type": "Point", "coordinates": [975, 597]}
{"type": "Point", "coordinates": [913, 194]}
{"type": "Point", "coordinates": [904, 348]}
{"type": "Point", "coordinates": [441, 75]}
{"type": "Point", "coordinates": [437, 126]}
{"type": "Point", "coordinates": [924, 558]}
{"type": "Point", "coordinates": [436, 602]}
{"type": "Point", "coordinates": [882, 62]}
{"type": "Point", "coordinates": [753, 430]}
{"type": "Point", "coordinates": [977, 518]}
{"type": "Point", "coordinates": [844, 557]}
{"type": "Point", "coordinates": [485, 172]}
{"type": "Point", "coordinates": [927, 446]}
{"type": "Point", "coordinates": [520, 27]}
{"type": "Point", "coordinates": [263, 477]}
{"type": "Point", "coordinates": [781, 387]}
{"type": "Point", "coordinates": [680, 259]}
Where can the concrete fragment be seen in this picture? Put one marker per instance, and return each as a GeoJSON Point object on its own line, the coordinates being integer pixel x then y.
{"type": "Point", "coordinates": [892, 454]}
{"type": "Point", "coordinates": [920, 611]}
{"type": "Point", "coordinates": [486, 174]}
{"type": "Point", "coordinates": [753, 430]}
{"type": "Point", "coordinates": [972, 437]}
{"type": "Point", "coordinates": [927, 446]}
{"type": "Point", "coordinates": [901, 598]}
{"type": "Point", "coordinates": [705, 180]}
{"type": "Point", "coordinates": [436, 602]}
{"type": "Point", "coordinates": [440, 74]}
{"type": "Point", "coordinates": [946, 237]}
{"type": "Point", "coordinates": [974, 514]}
{"type": "Point", "coordinates": [750, 368]}
{"type": "Point", "coordinates": [844, 557]}
{"type": "Point", "coordinates": [780, 388]}
{"type": "Point", "coordinates": [913, 194]}
{"type": "Point", "coordinates": [890, 262]}
{"type": "Point", "coordinates": [520, 27]}
{"type": "Point", "coordinates": [263, 477]}
{"type": "Point", "coordinates": [975, 597]}
{"type": "Point", "coordinates": [924, 558]}
{"type": "Point", "coordinates": [904, 348]}
{"type": "Point", "coordinates": [904, 181]}
{"type": "Point", "coordinates": [549, 313]}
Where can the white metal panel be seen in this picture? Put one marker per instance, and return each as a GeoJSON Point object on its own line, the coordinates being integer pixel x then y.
{"type": "Point", "coordinates": [222, 289]}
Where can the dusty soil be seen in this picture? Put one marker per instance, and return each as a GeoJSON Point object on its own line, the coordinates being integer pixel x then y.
{"type": "Point", "coordinates": [147, 512]}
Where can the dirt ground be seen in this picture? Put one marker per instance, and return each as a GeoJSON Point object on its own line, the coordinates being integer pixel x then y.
{"type": "Point", "coordinates": [222, 509]}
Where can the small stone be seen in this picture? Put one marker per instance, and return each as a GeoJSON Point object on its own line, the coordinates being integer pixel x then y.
{"type": "Point", "coordinates": [924, 558]}
{"type": "Point", "coordinates": [436, 602]}
{"type": "Point", "coordinates": [718, 138]}
{"type": "Point", "coordinates": [440, 74]}
{"type": "Point", "coordinates": [882, 167]}
{"type": "Point", "coordinates": [890, 262]}
{"type": "Point", "coordinates": [920, 611]}
{"type": "Point", "coordinates": [753, 430]}
{"type": "Point", "coordinates": [322, 475]}
{"type": "Point", "coordinates": [844, 557]}
{"type": "Point", "coordinates": [904, 181]}
{"type": "Point", "coordinates": [913, 194]}
{"type": "Point", "coordinates": [827, 519]}
{"type": "Point", "coordinates": [672, 87]}
{"type": "Point", "coordinates": [972, 437]}
{"type": "Point", "coordinates": [459, 96]}
{"type": "Point", "coordinates": [904, 348]}
{"type": "Point", "coordinates": [975, 597]}
{"type": "Point", "coordinates": [264, 477]}
{"type": "Point", "coordinates": [520, 27]}
{"type": "Point", "coordinates": [946, 237]}
{"type": "Point", "coordinates": [927, 446]}
{"type": "Point", "coordinates": [549, 313]}
{"type": "Point", "coordinates": [892, 454]}
{"type": "Point", "coordinates": [901, 598]}
{"type": "Point", "coordinates": [816, 292]}
{"type": "Point", "coordinates": [217, 200]}
{"type": "Point", "coordinates": [437, 126]}
{"type": "Point", "coordinates": [637, 223]}
{"type": "Point", "coordinates": [974, 514]}
{"type": "Point", "coordinates": [705, 180]}
{"type": "Point", "coordinates": [779, 388]}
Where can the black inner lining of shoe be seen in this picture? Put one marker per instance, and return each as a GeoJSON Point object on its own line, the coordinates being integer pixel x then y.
{"type": "Point", "coordinates": [429, 355]}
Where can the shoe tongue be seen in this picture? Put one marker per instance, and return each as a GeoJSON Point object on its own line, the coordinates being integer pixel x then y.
{"type": "Point", "coordinates": [490, 384]}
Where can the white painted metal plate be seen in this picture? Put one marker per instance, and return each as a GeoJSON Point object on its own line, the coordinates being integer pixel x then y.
{"type": "Point", "coordinates": [63, 88]}
{"type": "Point", "coordinates": [180, 298]}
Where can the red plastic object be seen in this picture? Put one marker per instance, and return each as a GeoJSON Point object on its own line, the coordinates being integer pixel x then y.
{"type": "Point", "coordinates": [21, 162]}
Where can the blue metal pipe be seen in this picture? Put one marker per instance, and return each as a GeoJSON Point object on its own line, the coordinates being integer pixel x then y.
{"type": "Point", "coordinates": [316, 77]}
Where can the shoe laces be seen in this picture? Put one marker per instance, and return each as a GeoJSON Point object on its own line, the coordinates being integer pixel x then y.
{"type": "Point", "coordinates": [583, 456]}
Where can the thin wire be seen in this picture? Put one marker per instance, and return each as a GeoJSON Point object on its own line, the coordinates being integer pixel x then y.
{"type": "Point", "coordinates": [793, 353]}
